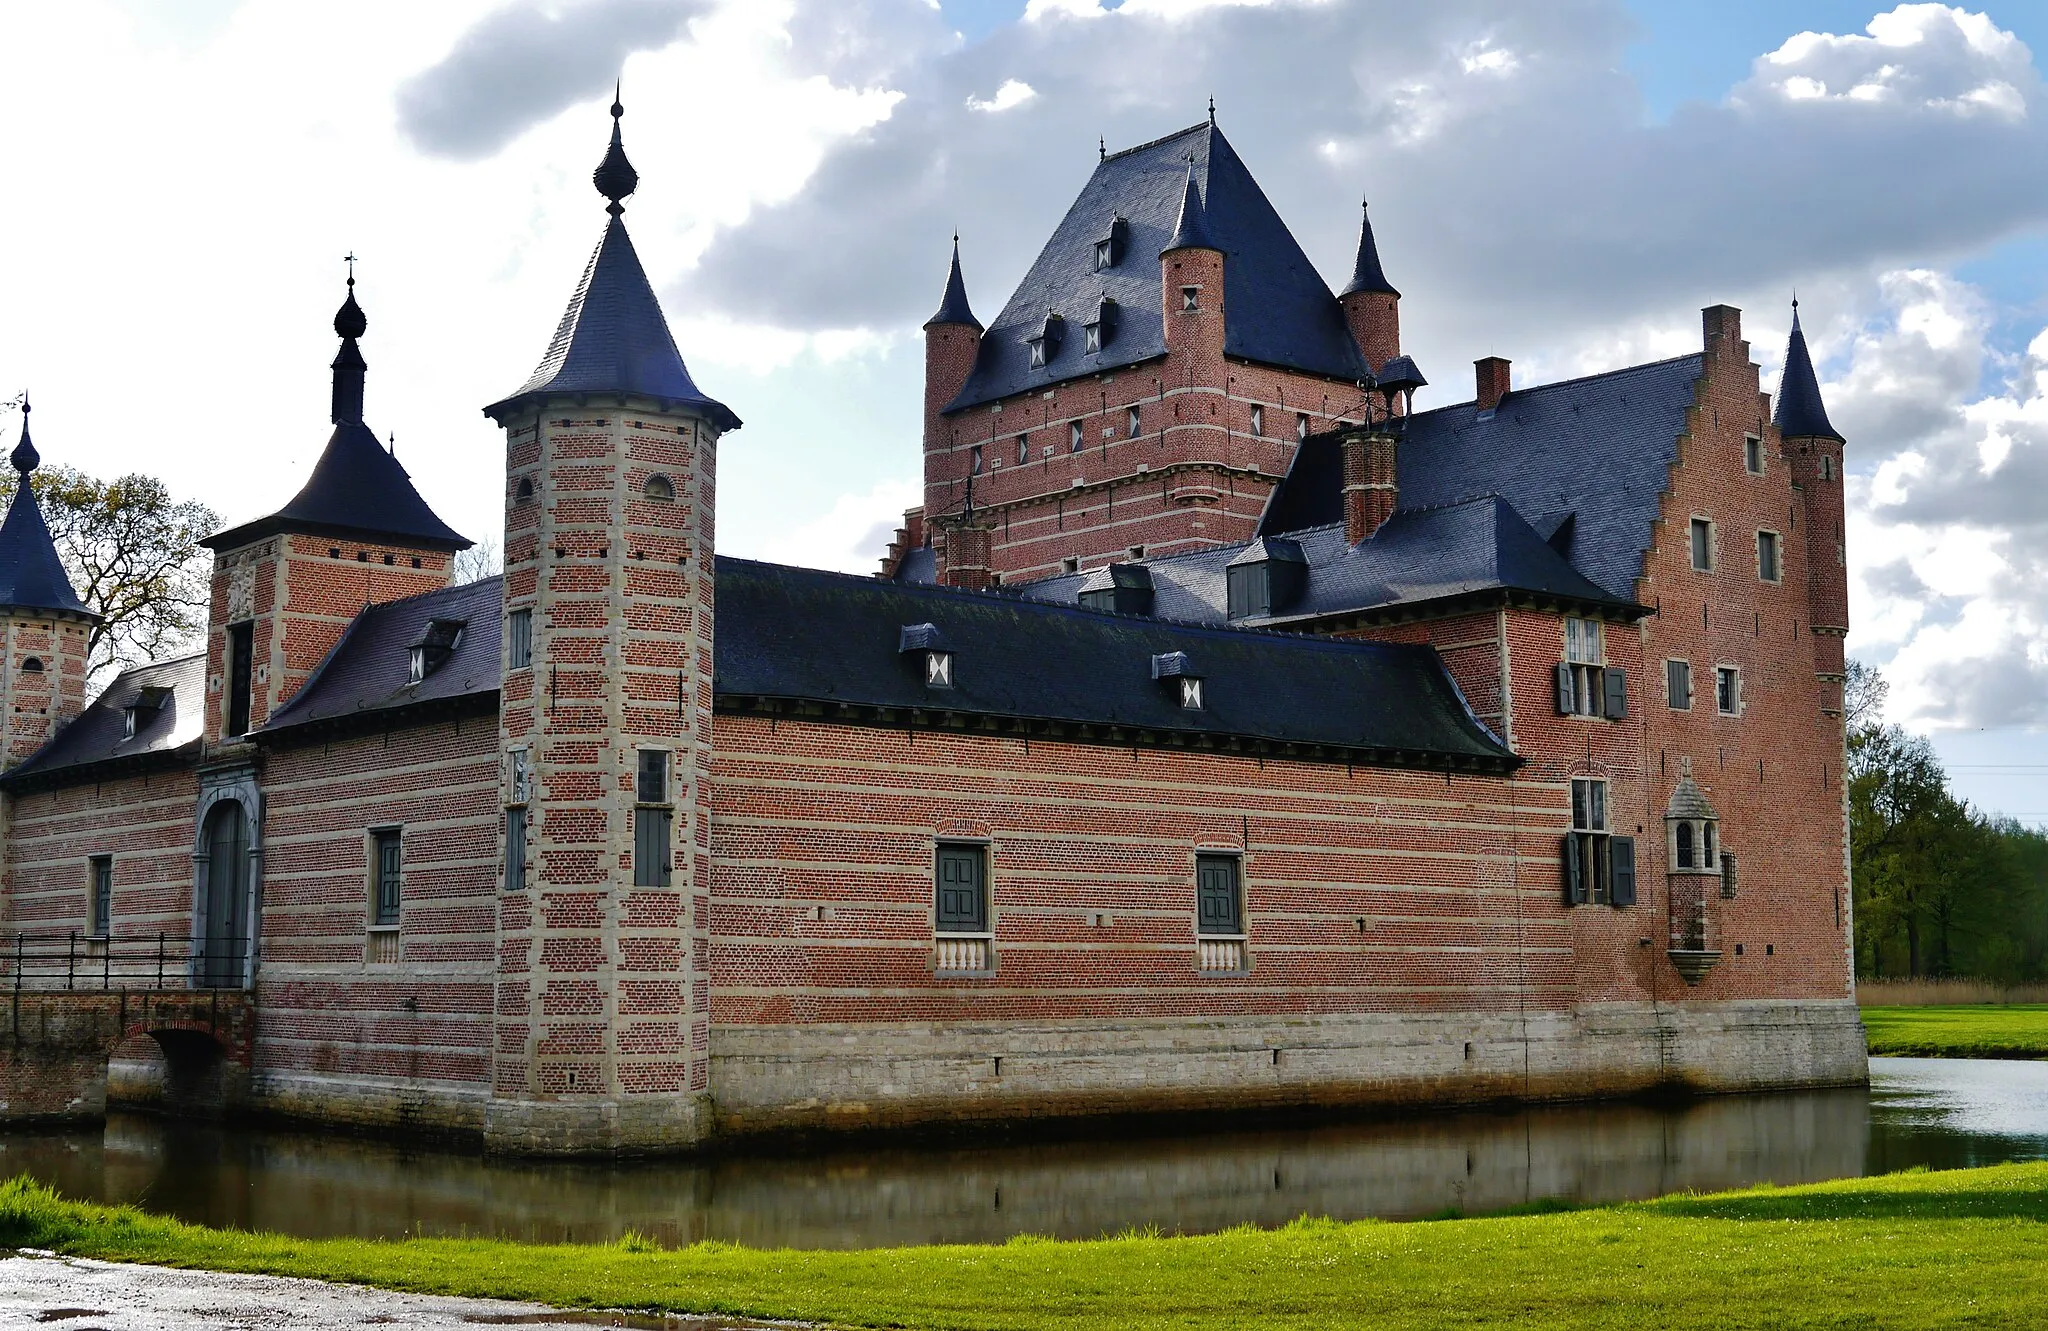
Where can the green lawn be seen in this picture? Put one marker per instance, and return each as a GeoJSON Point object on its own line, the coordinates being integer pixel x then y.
{"type": "Point", "coordinates": [2018, 1031]}
{"type": "Point", "coordinates": [1953, 1249]}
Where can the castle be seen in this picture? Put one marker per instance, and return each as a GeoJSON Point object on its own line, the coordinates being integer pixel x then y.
{"type": "Point", "coordinates": [1225, 732]}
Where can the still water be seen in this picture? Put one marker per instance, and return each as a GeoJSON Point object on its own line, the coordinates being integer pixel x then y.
{"type": "Point", "coordinates": [1941, 1113]}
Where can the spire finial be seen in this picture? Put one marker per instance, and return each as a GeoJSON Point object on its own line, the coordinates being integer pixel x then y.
{"type": "Point", "coordinates": [615, 177]}
{"type": "Point", "coordinates": [25, 458]}
{"type": "Point", "coordinates": [1102, 148]}
{"type": "Point", "coordinates": [349, 321]}
{"type": "Point", "coordinates": [1212, 109]}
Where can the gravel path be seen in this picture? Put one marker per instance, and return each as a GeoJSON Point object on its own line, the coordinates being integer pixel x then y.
{"type": "Point", "coordinates": [72, 1294]}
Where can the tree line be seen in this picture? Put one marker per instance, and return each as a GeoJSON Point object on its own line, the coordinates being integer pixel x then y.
{"type": "Point", "coordinates": [1941, 888]}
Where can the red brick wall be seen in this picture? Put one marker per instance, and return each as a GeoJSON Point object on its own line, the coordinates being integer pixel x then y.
{"type": "Point", "coordinates": [37, 703]}
{"type": "Point", "coordinates": [143, 822]}
{"type": "Point", "coordinates": [301, 592]}
{"type": "Point", "coordinates": [327, 1004]}
{"type": "Point", "coordinates": [1366, 889]}
{"type": "Point", "coordinates": [1196, 475]}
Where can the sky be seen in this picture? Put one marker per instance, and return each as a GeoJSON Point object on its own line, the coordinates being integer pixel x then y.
{"type": "Point", "coordinates": [1564, 184]}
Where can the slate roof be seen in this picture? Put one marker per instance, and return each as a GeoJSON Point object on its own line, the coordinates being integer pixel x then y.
{"type": "Point", "coordinates": [1469, 548]}
{"type": "Point", "coordinates": [1689, 801]}
{"type": "Point", "coordinates": [804, 634]}
{"type": "Point", "coordinates": [1800, 411]}
{"type": "Point", "coordinates": [953, 306]}
{"type": "Point", "coordinates": [1595, 451]}
{"type": "Point", "coordinates": [1366, 273]}
{"type": "Point", "coordinates": [370, 670]}
{"type": "Point", "coordinates": [614, 340]}
{"type": "Point", "coordinates": [1277, 308]}
{"type": "Point", "coordinates": [358, 492]}
{"type": "Point", "coordinates": [99, 734]}
{"type": "Point", "coordinates": [31, 575]}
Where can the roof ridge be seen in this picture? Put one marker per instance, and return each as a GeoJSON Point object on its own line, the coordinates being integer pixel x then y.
{"type": "Point", "coordinates": [438, 591]}
{"type": "Point", "coordinates": [940, 591]}
{"type": "Point", "coordinates": [1581, 379]}
{"type": "Point", "coordinates": [1168, 138]}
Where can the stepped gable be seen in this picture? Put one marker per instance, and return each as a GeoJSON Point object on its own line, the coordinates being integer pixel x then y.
{"type": "Point", "coordinates": [808, 636]}
{"type": "Point", "coordinates": [369, 672]}
{"type": "Point", "coordinates": [357, 491]}
{"type": "Point", "coordinates": [1800, 412]}
{"type": "Point", "coordinates": [613, 340]}
{"type": "Point", "coordinates": [1596, 452]}
{"type": "Point", "coordinates": [1477, 547]}
{"type": "Point", "coordinates": [166, 735]}
{"type": "Point", "coordinates": [1277, 308]}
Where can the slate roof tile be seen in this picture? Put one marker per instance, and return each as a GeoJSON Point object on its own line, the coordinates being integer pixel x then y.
{"type": "Point", "coordinates": [99, 734]}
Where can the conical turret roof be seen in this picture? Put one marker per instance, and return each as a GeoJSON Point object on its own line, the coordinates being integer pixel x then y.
{"type": "Point", "coordinates": [357, 490]}
{"type": "Point", "coordinates": [1366, 273]}
{"type": "Point", "coordinates": [613, 339]}
{"type": "Point", "coordinates": [1800, 413]}
{"type": "Point", "coordinates": [32, 577]}
{"type": "Point", "coordinates": [1191, 230]}
{"type": "Point", "coordinates": [953, 306]}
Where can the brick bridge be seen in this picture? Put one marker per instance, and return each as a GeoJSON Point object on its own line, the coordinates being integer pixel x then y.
{"type": "Point", "coordinates": [73, 1001]}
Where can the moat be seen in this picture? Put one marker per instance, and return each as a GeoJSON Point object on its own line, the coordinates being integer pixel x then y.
{"type": "Point", "coordinates": [1918, 1112]}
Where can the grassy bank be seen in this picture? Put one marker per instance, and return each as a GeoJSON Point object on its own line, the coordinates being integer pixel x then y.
{"type": "Point", "coordinates": [1961, 1248]}
{"type": "Point", "coordinates": [1959, 1032]}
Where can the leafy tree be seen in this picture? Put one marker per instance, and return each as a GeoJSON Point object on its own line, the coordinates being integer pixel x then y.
{"type": "Point", "coordinates": [133, 554]}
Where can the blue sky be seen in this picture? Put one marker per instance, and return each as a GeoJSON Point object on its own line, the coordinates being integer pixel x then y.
{"type": "Point", "coordinates": [1564, 183]}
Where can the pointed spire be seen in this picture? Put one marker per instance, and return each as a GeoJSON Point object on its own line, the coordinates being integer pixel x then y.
{"type": "Point", "coordinates": [1191, 232]}
{"type": "Point", "coordinates": [348, 366]}
{"type": "Point", "coordinates": [613, 338]}
{"type": "Point", "coordinates": [953, 306]}
{"type": "Point", "coordinates": [1366, 273]}
{"type": "Point", "coordinates": [1800, 413]}
{"type": "Point", "coordinates": [32, 577]}
{"type": "Point", "coordinates": [24, 457]}
{"type": "Point", "coordinates": [615, 177]}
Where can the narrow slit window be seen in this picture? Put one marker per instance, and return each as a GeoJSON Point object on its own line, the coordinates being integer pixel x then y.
{"type": "Point", "coordinates": [1133, 421]}
{"type": "Point", "coordinates": [241, 671]}
{"type": "Point", "coordinates": [1727, 690]}
{"type": "Point", "coordinates": [1023, 449]}
{"type": "Point", "coordinates": [515, 849]}
{"type": "Point", "coordinates": [519, 639]}
{"type": "Point", "coordinates": [1702, 545]}
{"type": "Point", "coordinates": [100, 917]}
{"type": "Point", "coordinates": [1301, 425]}
{"type": "Point", "coordinates": [1753, 455]}
{"type": "Point", "coordinates": [1258, 419]}
{"type": "Point", "coordinates": [1190, 299]}
{"type": "Point", "coordinates": [1076, 437]}
{"type": "Point", "coordinates": [1678, 685]}
{"type": "Point", "coordinates": [974, 461]}
{"type": "Point", "coordinates": [1767, 556]}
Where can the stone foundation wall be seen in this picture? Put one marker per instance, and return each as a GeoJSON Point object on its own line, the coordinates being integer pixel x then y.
{"type": "Point", "coordinates": [803, 1078]}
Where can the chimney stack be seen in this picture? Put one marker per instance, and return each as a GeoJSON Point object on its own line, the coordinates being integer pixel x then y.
{"type": "Point", "coordinates": [1491, 374]}
{"type": "Point", "coordinates": [1371, 489]}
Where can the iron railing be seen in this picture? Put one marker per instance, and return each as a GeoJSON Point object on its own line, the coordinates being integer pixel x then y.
{"type": "Point", "coordinates": [75, 961]}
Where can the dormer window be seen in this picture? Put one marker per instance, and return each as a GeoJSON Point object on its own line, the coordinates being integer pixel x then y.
{"type": "Point", "coordinates": [925, 646]}
{"type": "Point", "coordinates": [436, 643]}
{"type": "Point", "coordinates": [1045, 344]}
{"type": "Point", "coordinates": [1177, 672]}
{"type": "Point", "coordinates": [1300, 426]}
{"type": "Point", "coordinates": [1109, 250]}
{"type": "Point", "coordinates": [1100, 331]}
{"type": "Point", "coordinates": [137, 715]}
{"type": "Point", "coordinates": [1265, 578]}
{"type": "Point", "coordinates": [1124, 589]}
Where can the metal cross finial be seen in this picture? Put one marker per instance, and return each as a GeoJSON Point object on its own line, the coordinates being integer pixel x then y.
{"type": "Point", "coordinates": [1102, 148]}
{"type": "Point", "coordinates": [350, 260]}
{"type": "Point", "coordinates": [1212, 110]}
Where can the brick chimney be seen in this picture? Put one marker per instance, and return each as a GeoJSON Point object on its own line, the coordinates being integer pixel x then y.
{"type": "Point", "coordinates": [1491, 374]}
{"type": "Point", "coordinates": [967, 553]}
{"type": "Point", "coordinates": [1371, 491]}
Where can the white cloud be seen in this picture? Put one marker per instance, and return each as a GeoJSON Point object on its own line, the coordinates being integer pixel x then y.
{"type": "Point", "coordinates": [852, 536]}
{"type": "Point", "coordinates": [1014, 92]}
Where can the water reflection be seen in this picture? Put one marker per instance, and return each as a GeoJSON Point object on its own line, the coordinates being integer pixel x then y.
{"type": "Point", "coordinates": [1940, 1113]}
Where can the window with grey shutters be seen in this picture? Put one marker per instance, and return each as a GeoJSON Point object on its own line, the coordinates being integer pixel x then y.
{"type": "Point", "coordinates": [1219, 896]}
{"type": "Point", "coordinates": [651, 783]}
{"type": "Point", "coordinates": [1702, 545]}
{"type": "Point", "coordinates": [515, 850]}
{"type": "Point", "coordinates": [1727, 690]}
{"type": "Point", "coordinates": [101, 915]}
{"type": "Point", "coordinates": [1588, 866]}
{"type": "Point", "coordinates": [960, 904]}
{"type": "Point", "coordinates": [1586, 686]}
{"type": "Point", "coordinates": [519, 639]}
{"type": "Point", "coordinates": [384, 904]}
{"type": "Point", "coordinates": [1621, 871]}
{"type": "Point", "coordinates": [1678, 685]}
{"type": "Point", "coordinates": [1767, 561]}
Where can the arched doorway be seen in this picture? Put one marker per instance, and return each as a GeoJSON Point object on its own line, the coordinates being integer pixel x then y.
{"type": "Point", "coordinates": [224, 924]}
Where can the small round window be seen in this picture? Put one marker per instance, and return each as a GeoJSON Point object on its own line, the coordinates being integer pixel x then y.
{"type": "Point", "coordinates": [524, 494]}
{"type": "Point", "coordinates": [661, 488]}
{"type": "Point", "coordinates": [33, 665]}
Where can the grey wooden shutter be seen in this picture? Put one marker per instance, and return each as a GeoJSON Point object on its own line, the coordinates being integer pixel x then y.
{"type": "Point", "coordinates": [1219, 906]}
{"type": "Point", "coordinates": [962, 904]}
{"type": "Point", "coordinates": [651, 836]}
{"type": "Point", "coordinates": [1564, 689]}
{"type": "Point", "coordinates": [1621, 883]}
{"type": "Point", "coordinates": [1574, 873]}
{"type": "Point", "coordinates": [1727, 874]}
{"type": "Point", "coordinates": [1616, 701]}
